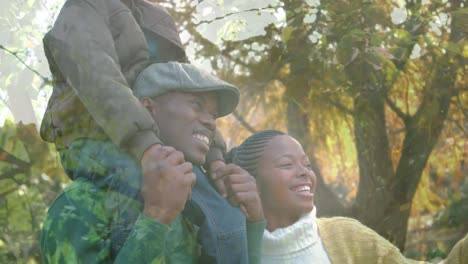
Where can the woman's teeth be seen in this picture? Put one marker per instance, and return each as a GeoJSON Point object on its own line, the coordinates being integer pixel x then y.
{"type": "Point", "coordinates": [303, 188]}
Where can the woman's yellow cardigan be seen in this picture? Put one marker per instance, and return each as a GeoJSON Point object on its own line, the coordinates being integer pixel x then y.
{"type": "Point", "coordinates": [348, 241]}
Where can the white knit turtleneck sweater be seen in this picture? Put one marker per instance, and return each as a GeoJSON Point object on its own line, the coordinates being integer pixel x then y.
{"type": "Point", "coordinates": [298, 243]}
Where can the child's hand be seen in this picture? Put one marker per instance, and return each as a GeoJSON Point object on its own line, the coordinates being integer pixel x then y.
{"type": "Point", "coordinates": [218, 181]}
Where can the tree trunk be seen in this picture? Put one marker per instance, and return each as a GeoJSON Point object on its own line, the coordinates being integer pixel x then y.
{"type": "Point", "coordinates": [423, 131]}
{"type": "Point", "coordinates": [375, 197]}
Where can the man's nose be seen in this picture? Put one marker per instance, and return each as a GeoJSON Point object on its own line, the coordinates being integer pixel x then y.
{"type": "Point", "coordinates": [209, 121]}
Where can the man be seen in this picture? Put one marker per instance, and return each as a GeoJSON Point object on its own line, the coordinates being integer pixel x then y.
{"type": "Point", "coordinates": [223, 233]}
{"type": "Point", "coordinates": [87, 222]}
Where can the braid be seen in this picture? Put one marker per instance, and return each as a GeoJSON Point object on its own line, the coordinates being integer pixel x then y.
{"type": "Point", "coordinates": [247, 154]}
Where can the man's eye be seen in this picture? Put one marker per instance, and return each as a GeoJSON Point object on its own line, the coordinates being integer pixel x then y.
{"type": "Point", "coordinates": [215, 116]}
{"type": "Point", "coordinates": [196, 104]}
{"type": "Point", "coordinates": [285, 165]}
{"type": "Point", "coordinates": [308, 166]}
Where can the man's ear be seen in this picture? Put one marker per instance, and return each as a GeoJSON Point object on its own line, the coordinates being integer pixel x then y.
{"type": "Point", "coordinates": [148, 103]}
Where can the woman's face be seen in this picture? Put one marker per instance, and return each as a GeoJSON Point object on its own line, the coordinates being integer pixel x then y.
{"type": "Point", "coordinates": [285, 179]}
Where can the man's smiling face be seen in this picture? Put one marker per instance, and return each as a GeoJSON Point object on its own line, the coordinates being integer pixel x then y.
{"type": "Point", "coordinates": [186, 121]}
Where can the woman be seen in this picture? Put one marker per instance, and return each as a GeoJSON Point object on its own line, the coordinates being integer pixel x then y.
{"type": "Point", "coordinates": [286, 184]}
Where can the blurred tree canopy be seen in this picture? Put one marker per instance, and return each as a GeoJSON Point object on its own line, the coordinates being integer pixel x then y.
{"type": "Point", "coordinates": [375, 91]}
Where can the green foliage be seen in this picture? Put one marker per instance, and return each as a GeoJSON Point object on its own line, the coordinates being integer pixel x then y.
{"type": "Point", "coordinates": [436, 253]}
{"type": "Point", "coordinates": [456, 213]}
{"type": "Point", "coordinates": [30, 178]}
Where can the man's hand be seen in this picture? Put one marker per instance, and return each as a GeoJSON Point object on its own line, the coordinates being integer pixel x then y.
{"type": "Point", "coordinates": [167, 182]}
{"type": "Point", "coordinates": [241, 189]}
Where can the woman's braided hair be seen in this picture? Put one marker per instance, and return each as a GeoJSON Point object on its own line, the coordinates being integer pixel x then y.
{"type": "Point", "coordinates": [247, 154]}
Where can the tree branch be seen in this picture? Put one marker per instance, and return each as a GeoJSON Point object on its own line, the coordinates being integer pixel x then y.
{"type": "Point", "coordinates": [15, 54]}
{"type": "Point", "coordinates": [340, 107]}
{"type": "Point", "coordinates": [10, 174]}
{"type": "Point", "coordinates": [8, 157]}
{"type": "Point", "coordinates": [243, 122]}
{"type": "Point", "coordinates": [392, 105]}
{"type": "Point", "coordinates": [4, 194]}
{"type": "Point", "coordinates": [234, 13]}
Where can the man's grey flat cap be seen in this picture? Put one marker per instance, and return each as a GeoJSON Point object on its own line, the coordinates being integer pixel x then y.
{"type": "Point", "coordinates": [160, 78]}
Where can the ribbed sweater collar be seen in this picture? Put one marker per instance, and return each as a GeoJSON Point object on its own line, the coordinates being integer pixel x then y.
{"type": "Point", "coordinates": [293, 238]}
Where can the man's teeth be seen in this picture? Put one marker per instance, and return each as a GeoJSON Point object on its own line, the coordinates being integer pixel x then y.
{"type": "Point", "coordinates": [202, 138]}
